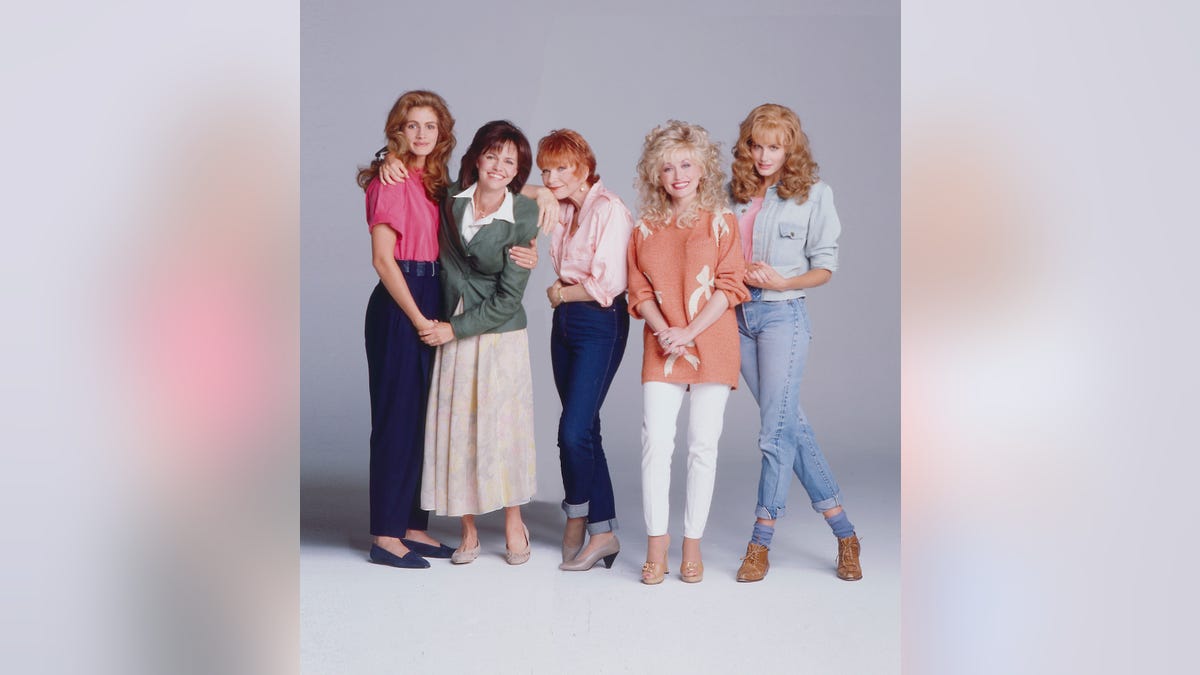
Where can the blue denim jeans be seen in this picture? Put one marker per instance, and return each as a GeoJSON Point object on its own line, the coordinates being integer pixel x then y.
{"type": "Point", "coordinates": [774, 345]}
{"type": "Point", "coordinates": [587, 342]}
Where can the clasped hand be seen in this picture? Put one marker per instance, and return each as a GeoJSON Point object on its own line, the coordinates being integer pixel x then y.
{"type": "Point", "coordinates": [437, 333]}
{"type": "Point", "coordinates": [762, 275]}
{"type": "Point", "coordinates": [673, 340]}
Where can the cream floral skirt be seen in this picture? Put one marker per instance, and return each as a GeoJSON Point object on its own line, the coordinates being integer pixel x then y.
{"type": "Point", "coordinates": [479, 453]}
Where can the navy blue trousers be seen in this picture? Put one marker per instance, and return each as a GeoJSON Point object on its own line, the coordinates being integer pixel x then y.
{"type": "Point", "coordinates": [400, 367]}
{"type": "Point", "coordinates": [586, 345]}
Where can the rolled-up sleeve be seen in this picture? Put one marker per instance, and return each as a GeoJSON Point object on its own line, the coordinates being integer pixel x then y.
{"type": "Point", "coordinates": [608, 273]}
{"type": "Point", "coordinates": [640, 289]}
{"type": "Point", "coordinates": [824, 227]}
{"type": "Point", "coordinates": [731, 264]}
{"type": "Point", "coordinates": [386, 205]}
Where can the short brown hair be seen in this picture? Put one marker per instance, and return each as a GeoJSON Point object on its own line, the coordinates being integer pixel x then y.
{"type": "Point", "coordinates": [493, 136]}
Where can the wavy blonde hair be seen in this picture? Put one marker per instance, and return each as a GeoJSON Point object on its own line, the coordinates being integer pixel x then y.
{"type": "Point", "coordinates": [799, 170]}
{"type": "Point", "coordinates": [437, 172]}
{"type": "Point", "coordinates": [663, 142]}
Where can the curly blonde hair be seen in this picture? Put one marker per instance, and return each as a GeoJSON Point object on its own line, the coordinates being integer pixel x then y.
{"type": "Point", "coordinates": [799, 170]}
{"type": "Point", "coordinates": [668, 140]}
{"type": "Point", "coordinates": [437, 172]}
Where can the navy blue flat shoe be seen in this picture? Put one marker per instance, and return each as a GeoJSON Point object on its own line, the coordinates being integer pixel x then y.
{"type": "Point", "coordinates": [410, 560]}
{"type": "Point", "coordinates": [427, 551]}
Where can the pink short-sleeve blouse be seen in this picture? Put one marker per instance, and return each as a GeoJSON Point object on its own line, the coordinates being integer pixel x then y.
{"type": "Point", "coordinates": [407, 210]}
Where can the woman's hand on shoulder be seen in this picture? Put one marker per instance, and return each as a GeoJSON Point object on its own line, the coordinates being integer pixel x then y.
{"type": "Point", "coordinates": [392, 171]}
{"type": "Point", "coordinates": [548, 208]}
{"type": "Point", "coordinates": [526, 257]}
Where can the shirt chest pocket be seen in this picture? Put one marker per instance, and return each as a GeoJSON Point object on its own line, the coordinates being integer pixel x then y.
{"type": "Point", "coordinates": [793, 231]}
{"type": "Point", "coordinates": [788, 253]}
{"type": "Point", "coordinates": [793, 223]}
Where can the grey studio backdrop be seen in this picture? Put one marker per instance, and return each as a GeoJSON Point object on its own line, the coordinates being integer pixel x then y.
{"type": "Point", "coordinates": [612, 75]}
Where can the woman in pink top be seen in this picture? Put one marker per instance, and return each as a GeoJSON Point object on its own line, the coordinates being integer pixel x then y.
{"type": "Point", "coordinates": [587, 341]}
{"type": "Point", "coordinates": [403, 221]}
{"type": "Point", "coordinates": [685, 277]}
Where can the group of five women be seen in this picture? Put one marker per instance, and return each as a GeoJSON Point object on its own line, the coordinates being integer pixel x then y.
{"type": "Point", "coordinates": [447, 351]}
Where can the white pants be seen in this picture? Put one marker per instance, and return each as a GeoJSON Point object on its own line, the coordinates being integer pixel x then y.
{"type": "Point", "coordinates": [660, 409]}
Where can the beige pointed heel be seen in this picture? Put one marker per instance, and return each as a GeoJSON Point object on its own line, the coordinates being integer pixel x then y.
{"type": "Point", "coordinates": [607, 553]}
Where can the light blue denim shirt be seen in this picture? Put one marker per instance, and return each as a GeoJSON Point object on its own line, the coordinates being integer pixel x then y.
{"type": "Point", "coordinates": [795, 238]}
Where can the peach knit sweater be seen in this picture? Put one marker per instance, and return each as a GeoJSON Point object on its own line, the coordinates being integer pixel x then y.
{"type": "Point", "coordinates": [680, 268]}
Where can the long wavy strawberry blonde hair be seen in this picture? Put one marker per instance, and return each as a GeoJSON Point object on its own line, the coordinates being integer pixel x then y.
{"type": "Point", "coordinates": [437, 174]}
{"type": "Point", "coordinates": [773, 123]}
{"type": "Point", "coordinates": [663, 143]}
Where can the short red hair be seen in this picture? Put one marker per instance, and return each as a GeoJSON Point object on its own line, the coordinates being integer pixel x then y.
{"type": "Point", "coordinates": [564, 146]}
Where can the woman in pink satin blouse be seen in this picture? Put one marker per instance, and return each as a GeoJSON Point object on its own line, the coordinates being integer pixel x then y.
{"type": "Point", "coordinates": [590, 327]}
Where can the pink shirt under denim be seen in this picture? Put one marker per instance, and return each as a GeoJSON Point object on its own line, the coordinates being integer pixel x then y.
{"type": "Point", "coordinates": [595, 255]}
{"type": "Point", "coordinates": [407, 210]}
{"type": "Point", "coordinates": [746, 225]}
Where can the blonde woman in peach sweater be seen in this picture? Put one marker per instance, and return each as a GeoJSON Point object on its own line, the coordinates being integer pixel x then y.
{"type": "Point", "coordinates": [685, 277]}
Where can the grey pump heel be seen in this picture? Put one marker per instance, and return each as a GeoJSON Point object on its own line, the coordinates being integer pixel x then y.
{"type": "Point", "coordinates": [607, 553]}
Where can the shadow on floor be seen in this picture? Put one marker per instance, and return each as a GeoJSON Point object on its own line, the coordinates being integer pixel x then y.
{"type": "Point", "coordinates": [335, 513]}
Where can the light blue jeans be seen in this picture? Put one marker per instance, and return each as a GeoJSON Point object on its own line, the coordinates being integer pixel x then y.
{"type": "Point", "coordinates": [774, 345]}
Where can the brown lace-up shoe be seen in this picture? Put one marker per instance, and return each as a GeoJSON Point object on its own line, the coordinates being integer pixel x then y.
{"type": "Point", "coordinates": [847, 560]}
{"type": "Point", "coordinates": [755, 564]}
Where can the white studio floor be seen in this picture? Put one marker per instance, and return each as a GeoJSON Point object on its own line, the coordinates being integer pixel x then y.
{"type": "Point", "coordinates": [488, 617]}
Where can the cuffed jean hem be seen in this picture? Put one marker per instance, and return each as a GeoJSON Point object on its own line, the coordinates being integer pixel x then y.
{"type": "Point", "coordinates": [826, 504]}
{"type": "Point", "coordinates": [763, 512]}
{"type": "Point", "coordinates": [581, 511]}
{"type": "Point", "coordinates": [575, 510]}
{"type": "Point", "coordinates": [602, 526]}
{"type": "Point", "coordinates": [822, 506]}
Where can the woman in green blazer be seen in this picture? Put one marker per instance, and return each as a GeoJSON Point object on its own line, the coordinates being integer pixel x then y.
{"type": "Point", "coordinates": [479, 449]}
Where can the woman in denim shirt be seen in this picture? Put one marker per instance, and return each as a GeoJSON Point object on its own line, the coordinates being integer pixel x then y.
{"type": "Point", "coordinates": [789, 229]}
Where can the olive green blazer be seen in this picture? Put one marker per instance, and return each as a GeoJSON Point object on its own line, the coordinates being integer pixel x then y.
{"type": "Point", "coordinates": [480, 273]}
